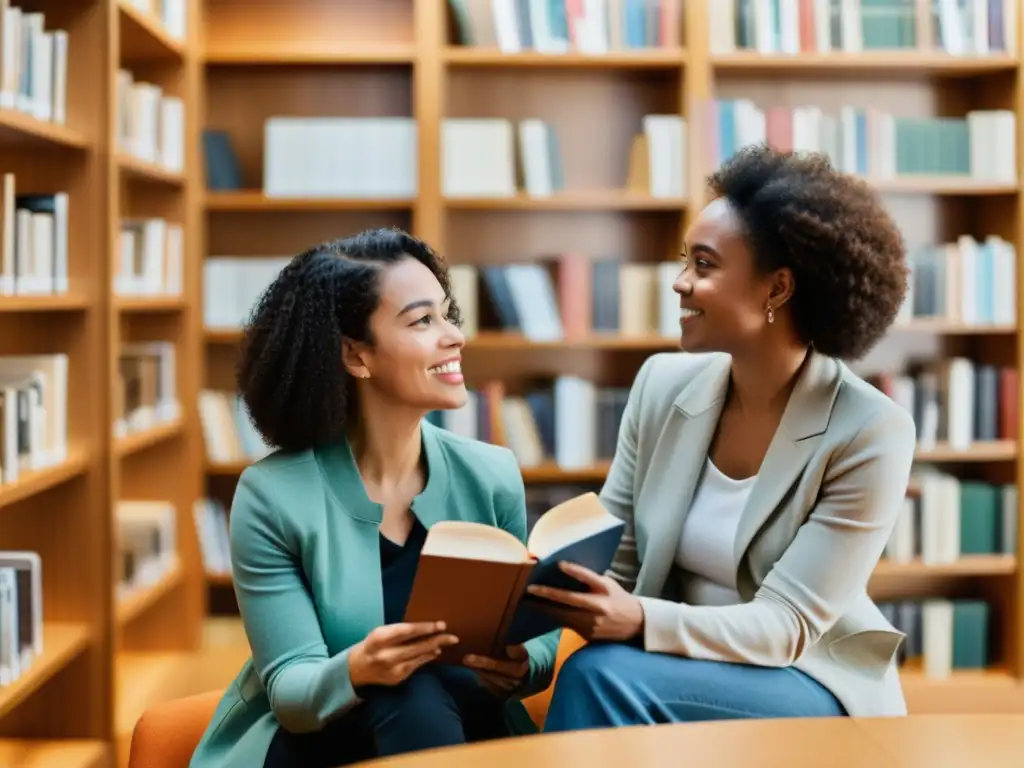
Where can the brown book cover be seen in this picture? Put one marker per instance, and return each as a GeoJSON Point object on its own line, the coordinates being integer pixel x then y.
{"type": "Point", "coordinates": [473, 576]}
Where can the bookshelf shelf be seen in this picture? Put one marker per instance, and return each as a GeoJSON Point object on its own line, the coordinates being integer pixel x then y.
{"type": "Point", "coordinates": [255, 200]}
{"type": "Point", "coordinates": [256, 57]}
{"type": "Point", "coordinates": [143, 170]}
{"type": "Point", "coordinates": [67, 302]}
{"type": "Point", "coordinates": [150, 303]}
{"type": "Point", "coordinates": [584, 200]}
{"type": "Point", "coordinates": [141, 599]}
{"type": "Point", "coordinates": [34, 482]}
{"type": "Point", "coordinates": [62, 642]}
{"type": "Point", "coordinates": [144, 38]}
{"type": "Point", "coordinates": [65, 753]}
{"type": "Point", "coordinates": [982, 451]}
{"type": "Point", "coordinates": [855, 65]}
{"type": "Point", "coordinates": [468, 56]}
{"type": "Point", "coordinates": [18, 129]}
{"type": "Point", "coordinates": [140, 441]}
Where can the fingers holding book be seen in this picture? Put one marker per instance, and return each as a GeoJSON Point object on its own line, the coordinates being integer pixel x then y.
{"type": "Point", "coordinates": [392, 652]}
{"type": "Point", "coordinates": [501, 676]}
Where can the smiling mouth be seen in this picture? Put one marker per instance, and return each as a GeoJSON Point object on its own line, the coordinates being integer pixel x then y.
{"type": "Point", "coordinates": [450, 371]}
{"type": "Point", "coordinates": [686, 313]}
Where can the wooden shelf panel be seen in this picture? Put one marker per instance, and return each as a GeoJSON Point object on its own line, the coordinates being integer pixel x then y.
{"type": "Point", "coordinates": [139, 441]}
{"type": "Point", "coordinates": [65, 753]}
{"type": "Point", "coordinates": [62, 642]}
{"type": "Point", "coordinates": [144, 38]}
{"type": "Point", "coordinates": [889, 63]}
{"type": "Point", "coordinates": [66, 302]}
{"type": "Point", "coordinates": [961, 186]}
{"type": "Point", "coordinates": [149, 303]}
{"type": "Point", "coordinates": [656, 58]}
{"type": "Point", "coordinates": [259, 57]}
{"type": "Point", "coordinates": [19, 129]}
{"type": "Point", "coordinates": [255, 200]}
{"type": "Point", "coordinates": [143, 170]}
{"type": "Point", "coordinates": [32, 482]}
{"type": "Point", "coordinates": [989, 690]}
{"type": "Point", "coordinates": [135, 604]}
{"type": "Point", "coordinates": [968, 565]}
{"type": "Point", "coordinates": [584, 200]}
{"type": "Point", "coordinates": [996, 450]}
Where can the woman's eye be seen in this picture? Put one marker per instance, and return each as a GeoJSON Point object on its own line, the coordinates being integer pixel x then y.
{"type": "Point", "coordinates": [425, 320]}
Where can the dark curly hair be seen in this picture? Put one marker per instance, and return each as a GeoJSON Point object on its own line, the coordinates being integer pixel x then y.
{"type": "Point", "coordinates": [290, 373]}
{"type": "Point", "coordinates": [846, 252]}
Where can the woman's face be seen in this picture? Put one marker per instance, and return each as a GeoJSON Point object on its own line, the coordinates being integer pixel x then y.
{"type": "Point", "coordinates": [416, 356]}
{"type": "Point", "coordinates": [724, 302]}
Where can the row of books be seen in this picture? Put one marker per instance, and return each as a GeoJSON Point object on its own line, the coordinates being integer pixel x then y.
{"type": "Point", "coordinates": [570, 298]}
{"type": "Point", "coordinates": [150, 123]}
{"type": "Point", "coordinates": [949, 517]}
{"type": "Point", "coordinates": [172, 14]}
{"type": "Point", "coordinates": [966, 281]}
{"type": "Point", "coordinates": [33, 413]}
{"type": "Point", "coordinates": [211, 521]}
{"type": "Point", "coordinates": [233, 284]}
{"type": "Point", "coordinates": [956, 400]}
{"type": "Point", "coordinates": [821, 26]}
{"type": "Point", "coordinates": [146, 393]}
{"type": "Point", "coordinates": [376, 158]}
{"type": "Point", "coordinates": [228, 433]}
{"type": "Point", "coordinates": [34, 65]}
{"type": "Point", "coordinates": [21, 613]}
{"type": "Point", "coordinates": [563, 26]}
{"type": "Point", "coordinates": [150, 258]}
{"type": "Point", "coordinates": [535, 425]}
{"type": "Point", "coordinates": [146, 544]}
{"type": "Point", "coordinates": [869, 142]}
{"type": "Point", "coordinates": [34, 244]}
{"type": "Point", "coordinates": [480, 157]}
{"type": "Point", "coordinates": [944, 636]}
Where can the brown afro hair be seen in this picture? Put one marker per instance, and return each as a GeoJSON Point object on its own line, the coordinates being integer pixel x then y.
{"type": "Point", "coordinates": [846, 252]}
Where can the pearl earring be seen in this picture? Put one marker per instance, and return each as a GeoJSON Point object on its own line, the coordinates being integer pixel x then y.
{"type": "Point", "coordinates": [771, 314]}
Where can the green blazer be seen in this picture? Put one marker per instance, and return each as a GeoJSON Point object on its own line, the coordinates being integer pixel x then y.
{"type": "Point", "coordinates": [306, 565]}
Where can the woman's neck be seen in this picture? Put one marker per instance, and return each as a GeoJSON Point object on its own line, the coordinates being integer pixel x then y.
{"type": "Point", "coordinates": [386, 445]}
{"type": "Point", "coordinates": [763, 379]}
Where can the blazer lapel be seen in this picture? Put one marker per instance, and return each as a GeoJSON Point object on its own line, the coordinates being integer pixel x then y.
{"type": "Point", "coordinates": [687, 435]}
{"type": "Point", "coordinates": [803, 422]}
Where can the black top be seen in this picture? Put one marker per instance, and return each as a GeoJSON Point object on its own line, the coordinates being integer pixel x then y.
{"type": "Point", "coordinates": [397, 569]}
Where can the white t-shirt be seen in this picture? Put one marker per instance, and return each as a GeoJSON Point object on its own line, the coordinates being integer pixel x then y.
{"type": "Point", "coordinates": [705, 551]}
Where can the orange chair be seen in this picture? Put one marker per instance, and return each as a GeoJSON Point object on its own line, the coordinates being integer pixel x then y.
{"type": "Point", "coordinates": [167, 733]}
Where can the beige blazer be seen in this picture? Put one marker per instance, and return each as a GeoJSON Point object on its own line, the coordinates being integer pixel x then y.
{"type": "Point", "coordinates": [817, 520]}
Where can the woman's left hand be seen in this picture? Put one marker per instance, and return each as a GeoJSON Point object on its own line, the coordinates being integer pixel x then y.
{"type": "Point", "coordinates": [606, 612]}
{"type": "Point", "coordinates": [501, 676]}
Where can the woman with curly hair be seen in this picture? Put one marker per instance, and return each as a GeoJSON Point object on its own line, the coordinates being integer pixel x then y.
{"type": "Point", "coordinates": [758, 477]}
{"type": "Point", "coordinates": [346, 352]}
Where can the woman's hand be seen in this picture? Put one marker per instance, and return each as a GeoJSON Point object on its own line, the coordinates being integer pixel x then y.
{"type": "Point", "coordinates": [391, 653]}
{"type": "Point", "coordinates": [501, 676]}
{"type": "Point", "coordinates": [606, 612]}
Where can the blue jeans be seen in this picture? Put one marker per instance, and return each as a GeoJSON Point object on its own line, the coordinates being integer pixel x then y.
{"type": "Point", "coordinates": [604, 685]}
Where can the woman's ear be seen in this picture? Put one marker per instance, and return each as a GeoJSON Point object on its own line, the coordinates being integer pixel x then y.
{"type": "Point", "coordinates": [353, 358]}
{"type": "Point", "coordinates": [783, 286]}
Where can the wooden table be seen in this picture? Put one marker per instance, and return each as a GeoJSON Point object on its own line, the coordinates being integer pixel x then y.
{"type": "Point", "coordinates": [923, 741]}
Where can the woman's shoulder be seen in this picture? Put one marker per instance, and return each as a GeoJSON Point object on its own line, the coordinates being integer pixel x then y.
{"type": "Point", "coordinates": [863, 404]}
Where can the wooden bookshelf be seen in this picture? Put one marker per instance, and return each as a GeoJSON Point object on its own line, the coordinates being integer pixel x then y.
{"type": "Point", "coordinates": [403, 58]}
{"type": "Point", "coordinates": [64, 510]}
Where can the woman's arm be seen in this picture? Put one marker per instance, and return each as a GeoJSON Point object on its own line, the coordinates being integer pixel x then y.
{"type": "Point", "coordinates": [305, 685]}
{"type": "Point", "coordinates": [617, 493]}
{"type": "Point", "coordinates": [826, 566]}
{"type": "Point", "coordinates": [510, 508]}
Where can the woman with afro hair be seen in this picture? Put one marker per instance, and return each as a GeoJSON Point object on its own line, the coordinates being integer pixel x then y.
{"type": "Point", "coordinates": [345, 353]}
{"type": "Point", "coordinates": [758, 477]}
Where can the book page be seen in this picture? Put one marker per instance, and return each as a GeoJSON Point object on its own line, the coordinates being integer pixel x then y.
{"type": "Point", "coordinates": [571, 521]}
{"type": "Point", "coordinates": [473, 541]}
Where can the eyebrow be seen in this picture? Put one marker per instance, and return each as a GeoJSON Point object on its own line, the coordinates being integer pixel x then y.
{"type": "Point", "coordinates": [416, 305]}
{"type": "Point", "coordinates": [700, 248]}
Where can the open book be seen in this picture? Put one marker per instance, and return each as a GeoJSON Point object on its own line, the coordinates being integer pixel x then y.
{"type": "Point", "coordinates": [474, 576]}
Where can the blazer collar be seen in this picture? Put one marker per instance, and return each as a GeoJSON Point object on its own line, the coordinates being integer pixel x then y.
{"type": "Point", "coordinates": [688, 434]}
{"type": "Point", "coordinates": [345, 483]}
